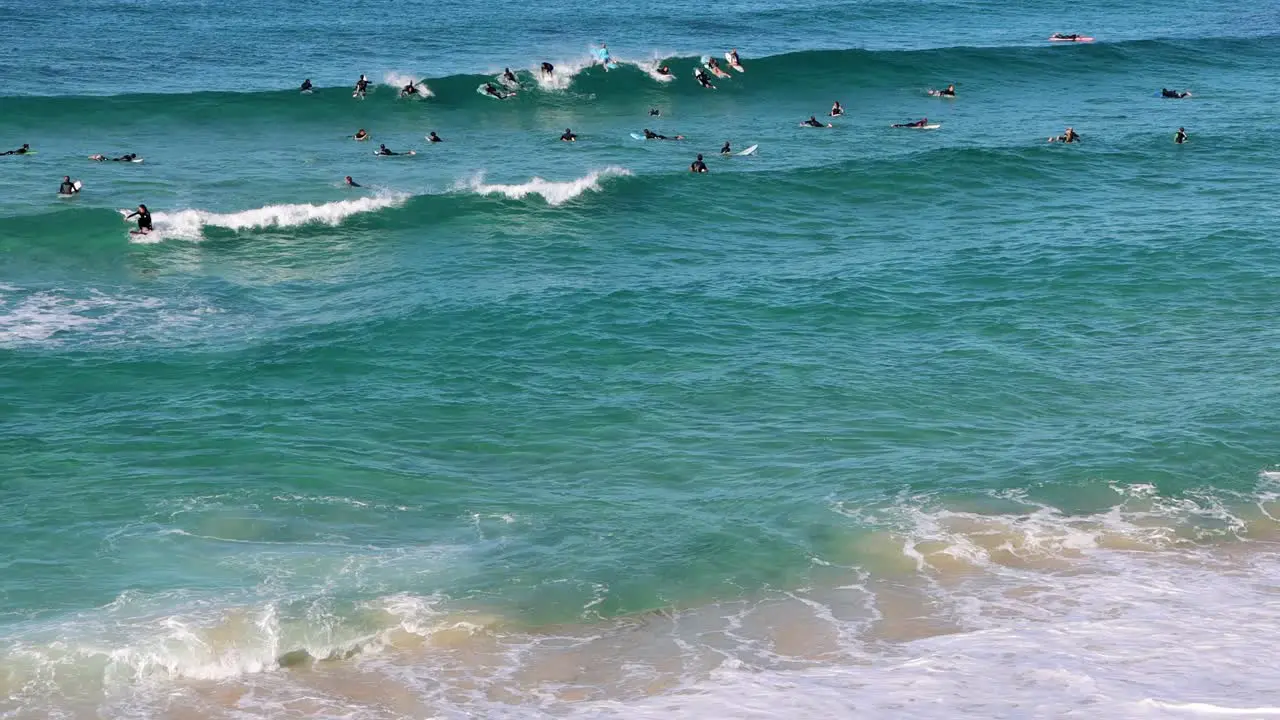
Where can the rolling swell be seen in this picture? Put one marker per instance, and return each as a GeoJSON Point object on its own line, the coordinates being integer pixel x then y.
{"type": "Point", "coordinates": [787, 74]}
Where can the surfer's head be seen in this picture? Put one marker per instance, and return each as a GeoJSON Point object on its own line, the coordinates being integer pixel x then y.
{"type": "Point", "coordinates": [699, 156]}
{"type": "Point", "coordinates": [143, 208]}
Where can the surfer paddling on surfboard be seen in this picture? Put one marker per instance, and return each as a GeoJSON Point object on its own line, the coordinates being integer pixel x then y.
{"type": "Point", "coordinates": [1070, 136]}
{"type": "Point", "coordinates": [1167, 93]}
{"type": "Point", "coordinates": [917, 124]}
{"type": "Point", "coordinates": [382, 150]}
{"type": "Point", "coordinates": [651, 135]}
{"type": "Point", "coordinates": [948, 91]}
{"type": "Point", "coordinates": [144, 220]}
{"type": "Point", "coordinates": [350, 182]}
{"type": "Point", "coordinates": [360, 135]}
{"type": "Point", "coordinates": [20, 151]}
{"type": "Point", "coordinates": [813, 121]}
{"type": "Point", "coordinates": [702, 79]}
{"type": "Point", "coordinates": [492, 91]}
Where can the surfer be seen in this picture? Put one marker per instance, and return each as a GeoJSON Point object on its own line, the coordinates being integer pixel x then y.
{"type": "Point", "coordinates": [948, 91]}
{"type": "Point", "coordinates": [836, 109]}
{"type": "Point", "coordinates": [602, 55]}
{"type": "Point", "coordinates": [1060, 36]}
{"type": "Point", "coordinates": [651, 135]}
{"type": "Point", "coordinates": [568, 136]}
{"type": "Point", "coordinates": [733, 58]}
{"type": "Point", "coordinates": [350, 182]}
{"type": "Point", "coordinates": [1181, 136]}
{"type": "Point", "coordinates": [360, 135]}
{"type": "Point", "coordinates": [67, 187]}
{"type": "Point", "coordinates": [813, 121]}
{"type": "Point", "coordinates": [410, 89]}
{"type": "Point", "coordinates": [1167, 93]}
{"type": "Point", "coordinates": [697, 166]}
{"type": "Point", "coordinates": [144, 219]}
{"type": "Point", "coordinates": [548, 69]}
{"type": "Point", "coordinates": [726, 150]}
{"type": "Point", "coordinates": [702, 79]}
{"type": "Point", "coordinates": [489, 89]}
{"type": "Point", "coordinates": [20, 151]}
{"type": "Point", "coordinates": [664, 70]}
{"type": "Point", "coordinates": [509, 77]}
{"type": "Point", "coordinates": [1069, 136]}
{"type": "Point", "coordinates": [127, 157]}
{"type": "Point", "coordinates": [917, 124]}
{"type": "Point", "coordinates": [714, 64]}
{"type": "Point", "coordinates": [433, 137]}
{"type": "Point", "coordinates": [362, 87]}
{"type": "Point", "coordinates": [382, 150]}
{"type": "Point", "coordinates": [655, 112]}
{"type": "Point", "coordinates": [306, 86]}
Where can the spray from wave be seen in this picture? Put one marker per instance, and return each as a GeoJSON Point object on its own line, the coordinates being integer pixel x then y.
{"type": "Point", "coordinates": [554, 193]}
{"type": "Point", "coordinates": [399, 80]}
{"type": "Point", "coordinates": [190, 224]}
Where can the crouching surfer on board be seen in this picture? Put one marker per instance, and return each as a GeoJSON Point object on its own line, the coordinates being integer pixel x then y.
{"type": "Point", "coordinates": [144, 219]}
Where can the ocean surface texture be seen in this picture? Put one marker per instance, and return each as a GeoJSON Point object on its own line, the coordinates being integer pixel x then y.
{"type": "Point", "coordinates": [876, 423]}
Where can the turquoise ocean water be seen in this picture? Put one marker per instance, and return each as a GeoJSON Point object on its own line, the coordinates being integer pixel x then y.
{"type": "Point", "coordinates": [874, 423]}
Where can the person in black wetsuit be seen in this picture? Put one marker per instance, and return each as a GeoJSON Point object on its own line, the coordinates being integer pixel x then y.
{"type": "Point", "coordinates": [651, 135]}
{"type": "Point", "coordinates": [1181, 136]}
{"type": "Point", "coordinates": [726, 150]}
{"type": "Point", "coordinates": [433, 137]}
{"type": "Point", "coordinates": [655, 112]}
{"type": "Point", "coordinates": [144, 218]}
{"type": "Point", "coordinates": [20, 151]}
{"type": "Point", "coordinates": [362, 86]}
{"type": "Point", "coordinates": [697, 166]}
{"type": "Point", "coordinates": [917, 124]}
{"type": "Point", "coordinates": [127, 157]}
{"type": "Point", "coordinates": [509, 77]}
{"type": "Point", "coordinates": [410, 89]}
{"type": "Point", "coordinates": [948, 91]}
{"type": "Point", "coordinates": [664, 70]}
{"type": "Point", "coordinates": [382, 150]}
{"type": "Point", "coordinates": [1167, 93]}
{"type": "Point", "coordinates": [67, 187]}
{"type": "Point", "coordinates": [813, 121]}
{"type": "Point", "coordinates": [350, 182]}
{"type": "Point", "coordinates": [489, 89]}
{"type": "Point", "coordinates": [548, 69]}
{"type": "Point", "coordinates": [568, 136]}
{"type": "Point", "coordinates": [306, 85]}
{"type": "Point", "coordinates": [1060, 36]}
{"type": "Point", "coordinates": [703, 80]}
{"type": "Point", "coordinates": [836, 109]}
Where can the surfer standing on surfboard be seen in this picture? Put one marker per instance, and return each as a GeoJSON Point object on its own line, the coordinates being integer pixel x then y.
{"type": "Point", "coordinates": [362, 87]}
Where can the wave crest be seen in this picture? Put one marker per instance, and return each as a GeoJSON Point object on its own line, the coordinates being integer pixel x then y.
{"type": "Point", "coordinates": [554, 193]}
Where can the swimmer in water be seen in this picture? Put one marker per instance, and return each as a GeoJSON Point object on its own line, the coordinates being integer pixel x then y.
{"type": "Point", "coordinates": [1181, 136]}
{"type": "Point", "coordinates": [350, 182]}
{"type": "Point", "coordinates": [836, 109]}
{"type": "Point", "coordinates": [698, 166]}
{"type": "Point", "coordinates": [726, 150]}
{"type": "Point", "coordinates": [433, 137]}
{"type": "Point", "coordinates": [568, 136]}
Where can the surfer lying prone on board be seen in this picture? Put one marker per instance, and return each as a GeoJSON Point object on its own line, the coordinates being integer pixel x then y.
{"type": "Point", "coordinates": [664, 70]}
{"type": "Point", "coordinates": [651, 135]}
{"type": "Point", "coordinates": [1070, 136]}
{"type": "Point", "coordinates": [489, 89]}
{"type": "Point", "coordinates": [20, 151]}
{"type": "Point", "coordinates": [703, 80]}
{"type": "Point", "coordinates": [127, 157]}
{"type": "Point", "coordinates": [1166, 92]}
{"type": "Point", "coordinates": [360, 135]}
{"type": "Point", "coordinates": [917, 124]}
{"type": "Point", "coordinates": [410, 89]}
{"type": "Point", "coordinates": [382, 150]}
{"type": "Point", "coordinates": [813, 121]}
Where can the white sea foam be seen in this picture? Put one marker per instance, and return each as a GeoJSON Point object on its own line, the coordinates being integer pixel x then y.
{"type": "Point", "coordinates": [553, 192]}
{"type": "Point", "coordinates": [190, 224]}
{"type": "Point", "coordinates": [562, 77]}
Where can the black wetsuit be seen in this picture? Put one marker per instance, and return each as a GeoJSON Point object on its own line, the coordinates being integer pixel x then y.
{"type": "Point", "coordinates": [491, 90]}
{"type": "Point", "coordinates": [703, 80]}
{"type": "Point", "coordinates": [698, 166]}
{"type": "Point", "coordinates": [384, 151]}
{"type": "Point", "coordinates": [124, 158]}
{"type": "Point", "coordinates": [67, 188]}
{"type": "Point", "coordinates": [569, 137]}
{"type": "Point", "coordinates": [144, 219]}
{"type": "Point", "coordinates": [726, 149]}
{"type": "Point", "coordinates": [362, 86]}
{"type": "Point", "coordinates": [20, 151]}
{"type": "Point", "coordinates": [1181, 137]}
{"type": "Point", "coordinates": [548, 68]}
{"type": "Point", "coordinates": [650, 135]}
{"type": "Point", "coordinates": [812, 122]}
{"type": "Point", "coordinates": [353, 183]}
{"type": "Point", "coordinates": [654, 112]}
{"type": "Point", "coordinates": [916, 124]}
{"type": "Point", "coordinates": [435, 138]}
{"type": "Point", "coordinates": [510, 77]}
{"type": "Point", "coordinates": [306, 85]}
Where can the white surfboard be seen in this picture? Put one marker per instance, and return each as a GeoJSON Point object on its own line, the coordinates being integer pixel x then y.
{"type": "Point", "coordinates": [749, 151]}
{"type": "Point", "coordinates": [403, 154]}
{"type": "Point", "coordinates": [732, 64]}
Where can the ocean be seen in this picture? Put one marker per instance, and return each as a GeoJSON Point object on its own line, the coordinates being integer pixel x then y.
{"type": "Point", "coordinates": [874, 423]}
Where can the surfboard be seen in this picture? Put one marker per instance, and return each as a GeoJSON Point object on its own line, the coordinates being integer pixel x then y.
{"type": "Point", "coordinates": [304, 92]}
{"type": "Point", "coordinates": [602, 56]}
{"type": "Point", "coordinates": [1075, 39]}
{"type": "Point", "coordinates": [817, 127]}
{"type": "Point", "coordinates": [930, 126]}
{"type": "Point", "coordinates": [637, 136]}
{"type": "Point", "coordinates": [749, 151]}
{"type": "Point", "coordinates": [695, 74]}
{"type": "Point", "coordinates": [938, 94]}
{"type": "Point", "coordinates": [732, 64]}
{"type": "Point", "coordinates": [404, 154]}
{"type": "Point", "coordinates": [1184, 97]}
